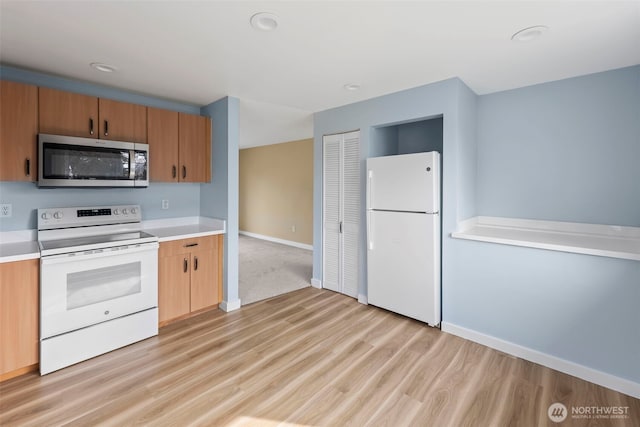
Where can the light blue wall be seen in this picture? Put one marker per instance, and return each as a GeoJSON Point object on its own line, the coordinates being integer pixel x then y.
{"type": "Point", "coordinates": [580, 308]}
{"type": "Point", "coordinates": [466, 154]}
{"type": "Point", "coordinates": [220, 197]}
{"type": "Point", "coordinates": [383, 141]}
{"type": "Point", "coordinates": [26, 198]}
{"type": "Point", "coordinates": [184, 199]}
{"type": "Point", "coordinates": [450, 99]}
{"type": "Point", "coordinates": [420, 137]}
{"type": "Point", "coordinates": [565, 151]}
{"type": "Point", "coordinates": [406, 138]}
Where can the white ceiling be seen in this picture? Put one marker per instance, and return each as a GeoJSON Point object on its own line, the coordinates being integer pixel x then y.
{"type": "Point", "coordinates": [198, 52]}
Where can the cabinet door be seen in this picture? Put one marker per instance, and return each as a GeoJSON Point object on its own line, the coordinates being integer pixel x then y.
{"type": "Point", "coordinates": [18, 131]}
{"type": "Point", "coordinates": [66, 113]}
{"type": "Point", "coordinates": [122, 121]}
{"type": "Point", "coordinates": [195, 148]}
{"type": "Point", "coordinates": [173, 286]}
{"type": "Point", "coordinates": [162, 137]}
{"type": "Point", "coordinates": [18, 315]}
{"type": "Point", "coordinates": [204, 269]}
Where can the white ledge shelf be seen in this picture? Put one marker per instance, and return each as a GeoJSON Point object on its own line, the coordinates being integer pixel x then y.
{"type": "Point", "coordinates": [592, 239]}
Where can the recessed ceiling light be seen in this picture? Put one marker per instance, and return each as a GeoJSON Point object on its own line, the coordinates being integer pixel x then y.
{"type": "Point", "coordinates": [352, 86]}
{"type": "Point", "coordinates": [530, 33]}
{"type": "Point", "coordinates": [105, 68]}
{"type": "Point", "coordinates": [264, 21]}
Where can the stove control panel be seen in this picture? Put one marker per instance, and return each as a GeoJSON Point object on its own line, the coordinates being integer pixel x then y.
{"type": "Point", "coordinates": [53, 218]}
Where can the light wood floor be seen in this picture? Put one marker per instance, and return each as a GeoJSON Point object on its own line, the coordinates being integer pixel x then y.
{"type": "Point", "coordinates": [312, 358]}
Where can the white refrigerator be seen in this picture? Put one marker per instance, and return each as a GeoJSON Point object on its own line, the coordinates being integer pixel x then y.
{"type": "Point", "coordinates": [403, 234]}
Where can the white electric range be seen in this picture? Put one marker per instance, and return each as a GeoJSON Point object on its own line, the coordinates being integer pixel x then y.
{"type": "Point", "coordinates": [98, 282]}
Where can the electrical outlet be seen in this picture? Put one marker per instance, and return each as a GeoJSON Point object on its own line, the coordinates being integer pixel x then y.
{"type": "Point", "coordinates": [6, 210]}
{"type": "Point", "coordinates": [165, 204]}
{"type": "Point", "coordinates": [293, 228]}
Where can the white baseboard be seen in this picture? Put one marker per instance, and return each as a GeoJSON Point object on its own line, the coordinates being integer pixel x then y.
{"type": "Point", "coordinates": [230, 305]}
{"type": "Point", "coordinates": [276, 240]}
{"type": "Point", "coordinates": [362, 299]}
{"type": "Point", "coordinates": [589, 374]}
{"type": "Point", "coordinates": [316, 283]}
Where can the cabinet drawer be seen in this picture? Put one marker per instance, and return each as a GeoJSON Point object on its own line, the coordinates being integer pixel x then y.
{"type": "Point", "coordinates": [185, 246]}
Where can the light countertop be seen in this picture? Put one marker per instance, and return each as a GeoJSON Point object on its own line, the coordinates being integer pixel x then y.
{"type": "Point", "coordinates": [19, 251]}
{"type": "Point", "coordinates": [184, 228]}
{"type": "Point", "coordinates": [22, 245]}
{"type": "Point", "coordinates": [590, 239]}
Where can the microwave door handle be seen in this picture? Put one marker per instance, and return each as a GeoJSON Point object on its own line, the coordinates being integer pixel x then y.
{"type": "Point", "coordinates": [132, 164]}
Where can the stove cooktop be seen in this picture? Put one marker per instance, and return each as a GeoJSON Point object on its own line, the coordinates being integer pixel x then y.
{"type": "Point", "coordinates": [86, 243]}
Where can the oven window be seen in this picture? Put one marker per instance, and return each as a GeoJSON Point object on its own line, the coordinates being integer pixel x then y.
{"type": "Point", "coordinates": [103, 284]}
{"type": "Point", "coordinates": [62, 161]}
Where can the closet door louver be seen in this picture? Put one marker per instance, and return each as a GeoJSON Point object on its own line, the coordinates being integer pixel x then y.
{"type": "Point", "coordinates": [350, 212]}
{"type": "Point", "coordinates": [331, 212]}
{"type": "Point", "coordinates": [341, 212]}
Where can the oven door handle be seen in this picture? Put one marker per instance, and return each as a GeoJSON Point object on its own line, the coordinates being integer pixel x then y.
{"type": "Point", "coordinates": [98, 253]}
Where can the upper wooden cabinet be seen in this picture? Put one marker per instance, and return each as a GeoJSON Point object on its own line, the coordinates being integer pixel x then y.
{"type": "Point", "coordinates": [122, 121]}
{"type": "Point", "coordinates": [66, 113]}
{"type": "Point", "coordinates": [162, 137]}
{"type": "Point", "coordinates": [18, 131]}
{"type": "Point", "coordinates": [179, 146]}
{"type": "Point", "coordinates": [194, 148]}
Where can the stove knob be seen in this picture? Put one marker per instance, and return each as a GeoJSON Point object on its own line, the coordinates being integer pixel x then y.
{"type": "Point", "coordinates": [46, 215]}
{"type": "Point", "coordinates": [58, 215]}
{"type": "Point", "coordinates": [134, 211]}
{"type": "Point", "coordinates": [124, 211]}
{"type": "Point", "coordinates": [116, 212]}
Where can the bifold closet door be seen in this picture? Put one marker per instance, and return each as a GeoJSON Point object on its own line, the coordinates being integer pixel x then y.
{"type": "Point", "coordinates": [341, 212]}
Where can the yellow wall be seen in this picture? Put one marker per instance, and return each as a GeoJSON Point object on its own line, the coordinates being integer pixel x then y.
{"type": "Point", "coordinates": [276, 190]}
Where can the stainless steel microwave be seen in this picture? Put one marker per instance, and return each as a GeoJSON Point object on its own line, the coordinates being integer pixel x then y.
{"type": "Point", "coordinates": [67, 161]}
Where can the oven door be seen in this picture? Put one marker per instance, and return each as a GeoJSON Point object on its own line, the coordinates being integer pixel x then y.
{"type": "Point", "coordinates": [85, 288]}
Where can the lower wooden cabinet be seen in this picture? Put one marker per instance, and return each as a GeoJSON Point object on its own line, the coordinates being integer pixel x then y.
{"type": "Point", "coordinates": [189, 277]}
{"type": "Point", "coordinates": [18, 317]}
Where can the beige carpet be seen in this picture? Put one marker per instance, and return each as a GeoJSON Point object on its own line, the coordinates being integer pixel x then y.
{"type": "Point", "coordinates": [267, 269]}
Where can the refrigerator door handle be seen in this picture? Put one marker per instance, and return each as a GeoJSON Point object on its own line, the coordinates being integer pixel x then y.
{"type": "Point", "coordinates": [370, 230]}
{"type": "Point", "coordinates": [370, 188]}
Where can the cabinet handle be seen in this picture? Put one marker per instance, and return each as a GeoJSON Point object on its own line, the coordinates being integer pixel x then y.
{"type": "Point", "coordinates": [190, 245]}
{"type": "Point", "coordinates": [174, 171]}
{"type": "Point", "coordinates": [27, 167]}
{"type": "Point", "coordinates": [106, 128]}
{"type": "Point", "coordinates": [186, 265]}
{"type": "Point", "coordinates": [184, 171]}
{"type": "Point", "coordinates": [90, 126]}
{"type": "Point", "coordinates": [195, 263]}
